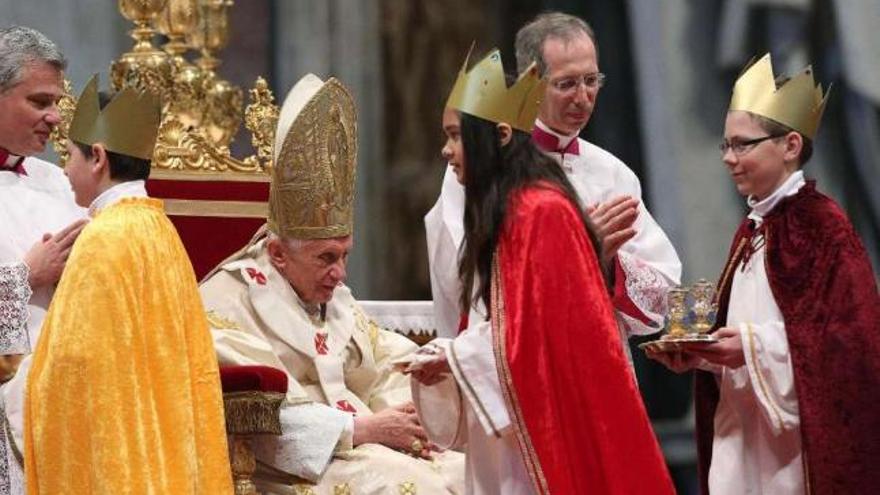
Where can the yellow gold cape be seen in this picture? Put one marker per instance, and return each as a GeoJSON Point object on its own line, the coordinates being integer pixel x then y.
{"type": "Point", "coordinates": [124, 390]}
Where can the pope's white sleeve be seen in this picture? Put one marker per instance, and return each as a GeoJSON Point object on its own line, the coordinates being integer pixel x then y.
{"type": "Point", "coordinates": [310, 435]}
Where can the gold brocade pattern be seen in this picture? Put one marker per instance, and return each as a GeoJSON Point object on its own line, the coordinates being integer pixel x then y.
{"type": "Point", "coordinates": [124, 389]}
{"type": "Point", "coordinates": [312, 192]}
{"type": "Point", "coordinates": [303, 490]}
{"type": "Point", "coordinates": [408, 488]}
{"type": "Point", "coordinates": [215, 320]}
{"type": "Point", "coordinates": [342, 489]}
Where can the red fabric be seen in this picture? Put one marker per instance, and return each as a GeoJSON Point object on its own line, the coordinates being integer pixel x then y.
{"type": "Point", "coordinates": [823, 283]}
{"type": "Point", "coordinates": [253, 378]}
{"type": "Point", "coordinates": [210, 240]}
{"type": "Point", "coordinates": [17, 167]}
{"type": "Point", "coordinates": [208, 190]}
{"type": "Point", "coordinates": [572, 395]}
{"type": "Point", "coordinates": [621, 299]}
{"type": "Point", "coordinates": [549, 142]}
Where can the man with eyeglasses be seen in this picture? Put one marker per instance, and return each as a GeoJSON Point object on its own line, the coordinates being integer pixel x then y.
{"type": "Point", "coordinates": [642, 261]}
{"type": "Point", "coordinates": [786, 400]}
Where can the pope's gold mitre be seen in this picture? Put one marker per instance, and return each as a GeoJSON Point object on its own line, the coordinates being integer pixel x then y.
{"type": "Point", "coordinates": [483, 92]}
{"type": "Point", "coordinates": [312, 192]}
{"type": "Point", "coordinates": [798, 103]}
{"type": "Point", "coordinates": [127, 125]}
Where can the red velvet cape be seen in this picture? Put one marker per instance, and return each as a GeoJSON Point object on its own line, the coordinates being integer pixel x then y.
{"type": "Point", "coordinates": [573, 400]}
{"type": "Point", "coordinates": [822, 281]}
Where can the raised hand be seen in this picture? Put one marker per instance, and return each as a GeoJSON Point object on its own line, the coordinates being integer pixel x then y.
{"type": "Point", "coordinates": [614, 221]}
{"type": "Point", "coordinates": [47, 257]}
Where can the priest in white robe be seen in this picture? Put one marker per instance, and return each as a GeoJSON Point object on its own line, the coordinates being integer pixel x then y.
{"type": "Point", "coordinates": [40, 219]}
{"type": "Point", "coordinates": [348, 424]}
{"type": "Point", "coordinates": [643, 261]}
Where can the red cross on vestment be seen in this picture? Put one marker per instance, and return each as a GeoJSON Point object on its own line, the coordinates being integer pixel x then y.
{"type": "Point", "coordinates": [257, 275]}
{"type": "Point", "coordinates": [344, 405]}
{"type": "Point", "coordinates": [321, 343]}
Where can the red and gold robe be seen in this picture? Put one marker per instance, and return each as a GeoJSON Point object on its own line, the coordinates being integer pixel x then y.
{"type": "Point", "coordinates": [822, 282]}
{"type": "Point", "coordinates": [573, 402]}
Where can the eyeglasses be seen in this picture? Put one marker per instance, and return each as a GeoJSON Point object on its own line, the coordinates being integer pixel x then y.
{"type": "Point", "coordinates": [570, 84]}
{"type": "Point", "coordinates": [740, 148]}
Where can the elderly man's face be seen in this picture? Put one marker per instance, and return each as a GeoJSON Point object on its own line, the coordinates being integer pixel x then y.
{"type": "Point", "coordinates": [568, 110]}
{"type": "Point", "coordinates": [29, 111]}
{"type": "Point", "coordinates": [314, 268]}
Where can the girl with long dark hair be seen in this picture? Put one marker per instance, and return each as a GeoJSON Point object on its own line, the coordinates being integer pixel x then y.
{"type": "Point", "coordinates": [549, 403]}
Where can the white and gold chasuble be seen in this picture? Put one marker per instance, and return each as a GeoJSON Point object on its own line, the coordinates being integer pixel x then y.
{"type": "Point", "coordinates": [338, 366]}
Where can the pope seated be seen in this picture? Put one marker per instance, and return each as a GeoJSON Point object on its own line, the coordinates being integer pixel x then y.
{"type": "Point", "coordinates": [348, 424]}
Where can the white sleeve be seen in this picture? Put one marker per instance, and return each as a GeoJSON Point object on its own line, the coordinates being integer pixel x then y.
{"type": "Point", "coordinates": [472, 361]}
{"type": "Point", "coordinates": [14, 296]}
{"type": "Point", "coordinates": [310, 435]}
{"type": "Point", "coordinates": [765, 347]}
{"type": "Point", "coordinates": [651, 265]}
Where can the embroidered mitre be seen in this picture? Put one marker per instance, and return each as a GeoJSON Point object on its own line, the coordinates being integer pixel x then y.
{"type": "Point", "coordinates": [312, 191]}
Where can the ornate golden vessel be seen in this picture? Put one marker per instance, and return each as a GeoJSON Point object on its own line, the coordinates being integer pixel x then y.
{"type": "Point", "coordinates": [201, 111]}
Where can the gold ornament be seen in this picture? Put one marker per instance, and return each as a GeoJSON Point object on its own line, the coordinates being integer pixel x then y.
{"type": "Point", "coordinates": [798, 103]}
{"type": "Point", "coordinates": [312, 192]}
{"type": "Point", "coordinates": [127, 125]}
{"type": "Point", "coordinates": [483, 92]}
{"type": "Point", "coordinates": [417, 446]}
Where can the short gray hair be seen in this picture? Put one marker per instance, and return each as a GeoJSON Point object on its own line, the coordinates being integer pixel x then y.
{"type": "Point", "coordinates": [21, 46]}
{"type": "Point", "coordinates": [531, 37]}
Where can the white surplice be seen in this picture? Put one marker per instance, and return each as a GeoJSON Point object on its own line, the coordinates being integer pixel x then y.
{"type": "Point", "coordinates": [40, 202]}
{"type": "Point", "coordinates": [479, 423]}
{"type": "Point", "coordinates": [648, 260]}
{"type": "Point", "coordinates": [757, 445]}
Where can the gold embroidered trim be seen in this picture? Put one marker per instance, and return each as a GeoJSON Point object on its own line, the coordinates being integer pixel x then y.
{"type": "Point", "coordinates": [455, 362]}
{"type": "Point", "coordinates": [729, 268]}
{"type": "Point", "coordinates": [407, 488]}
{"type": "Point", "coordinates": [221, 322]}
{"type": "Point", "coordinates": [222, 209]}
{"type": "Point", "coordinates": [530, 456]}
{"type": "Point", "coordinates": [763, 386]}
{"type": "Point", "coordinates": [342, 489]}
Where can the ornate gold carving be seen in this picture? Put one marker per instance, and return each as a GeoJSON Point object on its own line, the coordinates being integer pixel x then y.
{"type": "Point", "coordinates": [244, 463]}
{"type": "Point", "coordinates": [202, 112]}
{"type": "Point", "coordinates": [261, 117]}
{"type": "Point", "coordinates": [143, 68]}
{"type": "Point", "coordinates": [59, 136]}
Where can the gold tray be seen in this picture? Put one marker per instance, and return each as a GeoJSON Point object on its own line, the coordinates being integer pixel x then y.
{"type": "Point", "coordinates": [679, 344]}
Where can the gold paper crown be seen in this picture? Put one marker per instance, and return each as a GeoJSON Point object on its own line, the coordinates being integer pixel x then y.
{"type": "Point", "coordinates": [798, 103]}
{"type": "Point", "coordinates": [127, 125]}
{"type": "Point", "coordinates": [312, 191]}
{"type": "Point", "coordinates": [483, 92]}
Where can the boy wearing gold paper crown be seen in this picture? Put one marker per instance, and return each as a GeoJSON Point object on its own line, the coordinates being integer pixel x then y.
{"type": "Point", "coordinates": [787, 400]}
{"type": "Point", "coordinates": [124, 391]}
{"type": "Point", "coordinates": [549, 403]}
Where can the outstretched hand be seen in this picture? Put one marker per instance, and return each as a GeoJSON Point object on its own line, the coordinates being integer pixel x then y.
{"type": "Point", "coordinates": [614, 222]}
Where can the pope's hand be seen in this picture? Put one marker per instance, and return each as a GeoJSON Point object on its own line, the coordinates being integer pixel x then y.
{"type": "Point", "coordinates": [677, 361]}
{"type": "Point", "coordinates": [728, 351]}
{"type": "Point", "coordinates": [47, 257]}
{"type": "Point", "coordinates": [614, 221]}
{"type": "Point", "coordinates": [396, 428]}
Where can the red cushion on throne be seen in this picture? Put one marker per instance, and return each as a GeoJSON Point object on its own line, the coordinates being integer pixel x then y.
{"type": "Point", "coordinates": [215, 213]}
{"type": "Point", "coordinates": [253, 378]}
